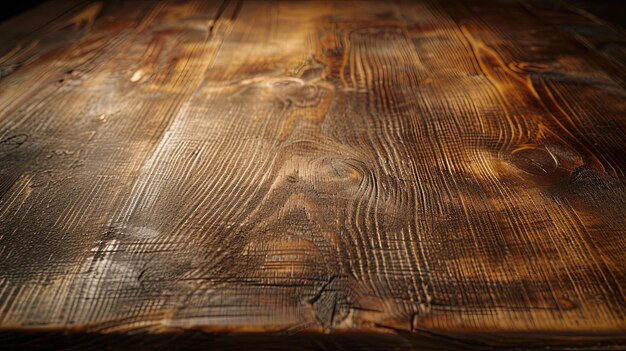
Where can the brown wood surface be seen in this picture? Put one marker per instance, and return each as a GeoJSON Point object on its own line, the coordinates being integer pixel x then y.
{"type": "Point", "coordinates": [365, 175]}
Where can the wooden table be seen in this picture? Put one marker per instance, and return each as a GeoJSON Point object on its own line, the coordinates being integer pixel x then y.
{"type": "Point", "coordinates": [312, 175]}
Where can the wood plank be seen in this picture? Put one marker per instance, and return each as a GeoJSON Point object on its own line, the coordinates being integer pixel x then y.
{"type": "Point", "coordinates": [402, 175]}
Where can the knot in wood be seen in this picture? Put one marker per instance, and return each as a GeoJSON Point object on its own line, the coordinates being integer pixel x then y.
{"type": "Point", "coordinates": [534, 160]}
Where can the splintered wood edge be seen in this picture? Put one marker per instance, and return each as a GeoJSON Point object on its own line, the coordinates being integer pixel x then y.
{"type": "Point", "coordinates": [375, 337]}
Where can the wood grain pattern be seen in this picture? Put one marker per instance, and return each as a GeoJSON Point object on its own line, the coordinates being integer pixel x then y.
{"type": "Point", "coordinates": [365, 175]}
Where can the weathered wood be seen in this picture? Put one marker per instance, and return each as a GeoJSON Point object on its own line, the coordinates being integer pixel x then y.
{"type": "Point", "coordinates": [402, 175]}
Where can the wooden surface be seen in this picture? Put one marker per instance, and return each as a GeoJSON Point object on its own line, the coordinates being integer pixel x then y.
{"type": "Point", "coordinates": [391, 175]}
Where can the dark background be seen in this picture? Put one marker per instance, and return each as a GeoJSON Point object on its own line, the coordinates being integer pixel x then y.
{"type": "Point", "coordinates": [9, 9]}
{"type": "Point", "coordinates": [612, 11]}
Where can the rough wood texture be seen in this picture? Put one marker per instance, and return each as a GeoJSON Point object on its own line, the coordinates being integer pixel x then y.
{"type": "Point", "coordinates": [393, 175]}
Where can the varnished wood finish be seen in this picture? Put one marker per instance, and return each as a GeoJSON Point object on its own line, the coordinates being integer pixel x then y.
{"type": "Point", "coordinates": [393, 175]}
